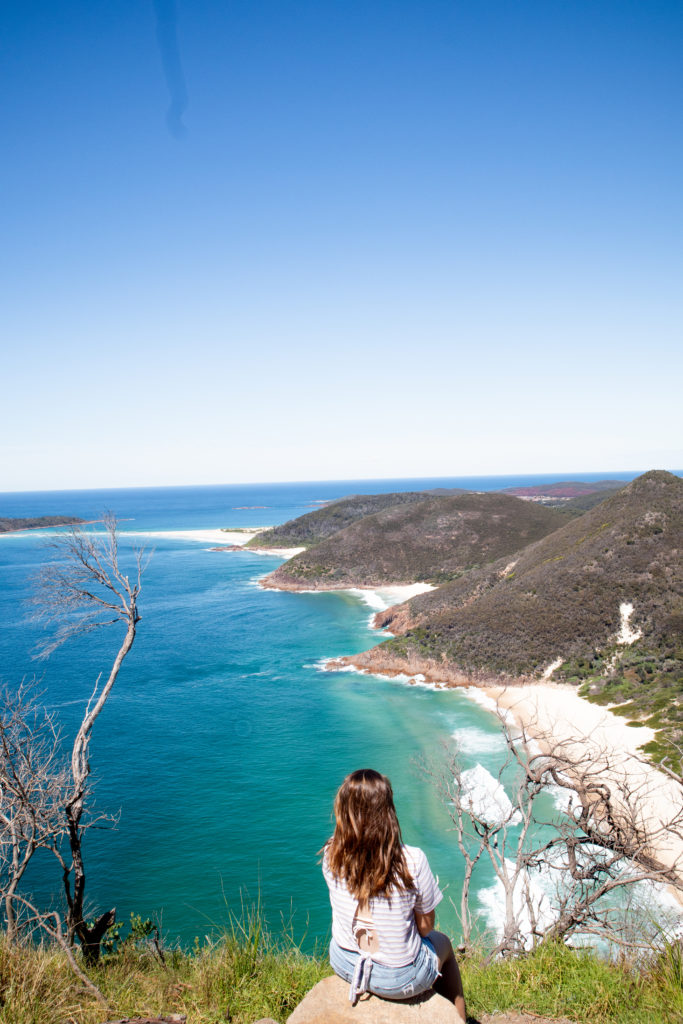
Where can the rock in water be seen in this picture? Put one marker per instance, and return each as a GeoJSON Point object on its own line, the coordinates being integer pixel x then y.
{"type": "Point", "coordinates": [328, 1003]}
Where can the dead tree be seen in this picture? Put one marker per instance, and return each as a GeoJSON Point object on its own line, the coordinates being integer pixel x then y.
{"type": "Point", "coordinates": [602, 843]}
{"type": "Point", "coordinates": [33, 780]}
{"type": "Point", "coordinates": [86, 589]}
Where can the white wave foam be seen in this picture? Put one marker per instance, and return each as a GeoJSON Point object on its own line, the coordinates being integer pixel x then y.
{"type": "Point", "coordinates": [478, 696]}
{"type": "Point", "coordinates": [485, 797]}
{"type": "Point", "coordinates": [546, 885]}
{"type": "Point", "coordinates": [382, 598]}
{"type": "Point", "coordinates": [561, 797]}
{"type": "Point", "coordinates": [321, 665]}
{"type": "Point", "coordinates": [492, 899]}
{"type": "Point", "coordinates": [471, 740]}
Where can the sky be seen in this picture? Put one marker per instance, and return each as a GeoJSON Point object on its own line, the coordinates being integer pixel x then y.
{"type": "Point", "coordinates": [246, 240]}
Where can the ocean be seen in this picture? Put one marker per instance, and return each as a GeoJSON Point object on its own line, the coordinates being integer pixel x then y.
{"type": "Point", "coordinates": [224, 740]}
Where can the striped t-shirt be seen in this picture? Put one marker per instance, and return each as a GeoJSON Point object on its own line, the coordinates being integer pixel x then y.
{"type": "Point", "coordinates": [393, 916]}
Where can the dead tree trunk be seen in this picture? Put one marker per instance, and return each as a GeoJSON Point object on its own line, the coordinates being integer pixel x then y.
{"type": "Point", "coordinates": [92, 585]}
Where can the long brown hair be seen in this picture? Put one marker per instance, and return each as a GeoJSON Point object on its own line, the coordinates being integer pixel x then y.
{"type": "Point", "coordinates": [366, 850]}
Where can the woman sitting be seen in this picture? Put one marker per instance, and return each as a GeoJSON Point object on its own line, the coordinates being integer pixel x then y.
{"type": "Point", "coordinates": [383, 896]}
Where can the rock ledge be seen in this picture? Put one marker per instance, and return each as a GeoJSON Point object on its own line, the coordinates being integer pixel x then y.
{"type": "Point", "coordinates": [328, 1003]}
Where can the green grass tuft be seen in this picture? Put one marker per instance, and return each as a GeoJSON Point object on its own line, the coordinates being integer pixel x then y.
{"type": "Point", "coordinates": [556, 981]}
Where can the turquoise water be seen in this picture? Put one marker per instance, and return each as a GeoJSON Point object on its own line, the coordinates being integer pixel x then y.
{"type": "Point", "coordinates": [223, 742]}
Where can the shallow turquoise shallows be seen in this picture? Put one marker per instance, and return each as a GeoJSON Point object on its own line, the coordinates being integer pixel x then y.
{"type": "Point", "coordinates": [223, 742]}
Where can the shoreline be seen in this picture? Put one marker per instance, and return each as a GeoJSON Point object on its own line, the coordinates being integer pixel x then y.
{"type": "Point", "coordinates": [237, 537]}
{"type": "Point", "coordinates": [377, 598]}
{"type": "Point", "coordinates": [49, 526]}
{"type": "Point", "coordinates": [277, 552]}
{"type": "Point", "coordinates": [557, 719]}
{"type": "Point", "coordinates": [396, 593]}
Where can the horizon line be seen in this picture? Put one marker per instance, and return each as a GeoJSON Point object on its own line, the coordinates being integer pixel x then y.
{"type": "Point", "coordinates": [570, 476]}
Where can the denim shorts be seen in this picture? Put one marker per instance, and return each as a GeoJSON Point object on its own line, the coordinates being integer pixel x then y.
{"type": "Point", "coordinates": [391, 982]}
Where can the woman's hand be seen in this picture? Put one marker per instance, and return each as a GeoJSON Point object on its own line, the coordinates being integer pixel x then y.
{"type": "Point", "coordinates": [425, 922]}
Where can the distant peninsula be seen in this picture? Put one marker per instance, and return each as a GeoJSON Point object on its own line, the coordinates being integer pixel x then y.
{"type": "Point", "coordinates": [415, 539]}
{"type": "Point", "coordinates": [37, 523]}
{"type": "Point", "coordinates": [579, 495]}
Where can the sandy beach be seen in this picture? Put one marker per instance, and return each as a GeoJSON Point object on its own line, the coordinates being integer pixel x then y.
{"type": "Point", "coordinates": [560, 720]}
{"type": "Point", "coordinates": [220, 538]}
{"type": "Point", "coordinates": [201, 536]}
{"type": "Point", "coordinates": [376, 598]}
{"type": "Point", "coordinates": [279, 552]}
{"type": "Point", "coordinates": [214, 537]}
{"type": "Point", "coordinates": [381, 598]}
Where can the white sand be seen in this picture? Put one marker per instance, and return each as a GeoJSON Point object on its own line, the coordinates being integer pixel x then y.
{"type": "Point", "coordinates": [384, 597]}
{"type": "Point", "coordinates": [279, 552]}
{"type": "Point", "coordinates": [377, 599]}
{"type": "Point", "coordinates": [201, 536]}
{"type": "Point", "coordinates": [226, 537]}
{"type": "Point", "coordinates": [560, 720]}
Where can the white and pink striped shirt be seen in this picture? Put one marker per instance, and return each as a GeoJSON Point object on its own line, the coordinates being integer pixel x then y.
{"type": "Point", "coordinates": [393, 916]}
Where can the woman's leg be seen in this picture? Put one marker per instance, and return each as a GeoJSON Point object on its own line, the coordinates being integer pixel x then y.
{"type": "Point", "coordinates": [450, 982]}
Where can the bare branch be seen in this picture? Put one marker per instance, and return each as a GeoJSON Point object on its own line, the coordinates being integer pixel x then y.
{"type": "Point", "coordinates": [33, 778]}
{"type": "Point", "coordinates": [46, 796]}
{"type": "Point", "coordinates": [603, 845]}
{"type": "Point", "coordinates": [84, 588]}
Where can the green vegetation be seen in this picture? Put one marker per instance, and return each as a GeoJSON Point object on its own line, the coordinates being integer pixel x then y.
{"type": "Point", "coordinates": [584, 502]}
{"type": "Point", "coordinates": [37, 523]}
{"type": "Point", "coordinates": [247, 976]}
{"type": "Point", "coordinates": [433, 540]}
{"type": "Point", "coordinates": [315, 526]}
{"type": "Point", "coordinates": [240, 978]}
{"type": "Point", "coordinates": [556, 981]}
{"type": "Point", "coordinates": [644, 685]}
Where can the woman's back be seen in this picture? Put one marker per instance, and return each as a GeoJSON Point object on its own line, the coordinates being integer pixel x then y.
{"type": "Point", "coordinates": [393, 915]}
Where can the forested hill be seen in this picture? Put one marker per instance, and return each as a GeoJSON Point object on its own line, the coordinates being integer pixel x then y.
{"type": "Point", "coordinates": [315, 526]}
{"type": "Point", "coordinates": [433, 539]}
{"type": "Point", "coordinates": [37, 523]}
{"type": "Point", "coordinates": [560, 598]}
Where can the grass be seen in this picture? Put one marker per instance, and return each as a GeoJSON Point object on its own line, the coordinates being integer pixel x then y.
{"type": "Point", "coordinates": [239, 978]}
{"type": "Point", "coordinates": [248, 975]}
{"type": "Point", "coordinates": [556, 981]}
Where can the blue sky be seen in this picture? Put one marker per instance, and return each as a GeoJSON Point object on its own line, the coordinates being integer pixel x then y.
{"type": "Point", "coordinates": [373, 239]}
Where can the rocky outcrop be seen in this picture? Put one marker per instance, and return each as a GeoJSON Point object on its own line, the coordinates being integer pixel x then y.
{"type": "Point", "coordinates": [383, 661]}
{"type": "Point", "coordinates": [328, 1003]}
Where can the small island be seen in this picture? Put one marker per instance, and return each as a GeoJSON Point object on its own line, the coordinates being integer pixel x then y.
{"type": "Point", "coordinates": [13, 525]}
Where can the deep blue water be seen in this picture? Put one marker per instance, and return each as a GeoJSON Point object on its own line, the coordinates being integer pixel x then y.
{"type": "Point", "coordinates": [223, 742]}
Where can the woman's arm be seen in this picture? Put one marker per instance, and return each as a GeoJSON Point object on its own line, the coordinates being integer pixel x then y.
{"type": "Point", "coordinates": [425, 922]}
